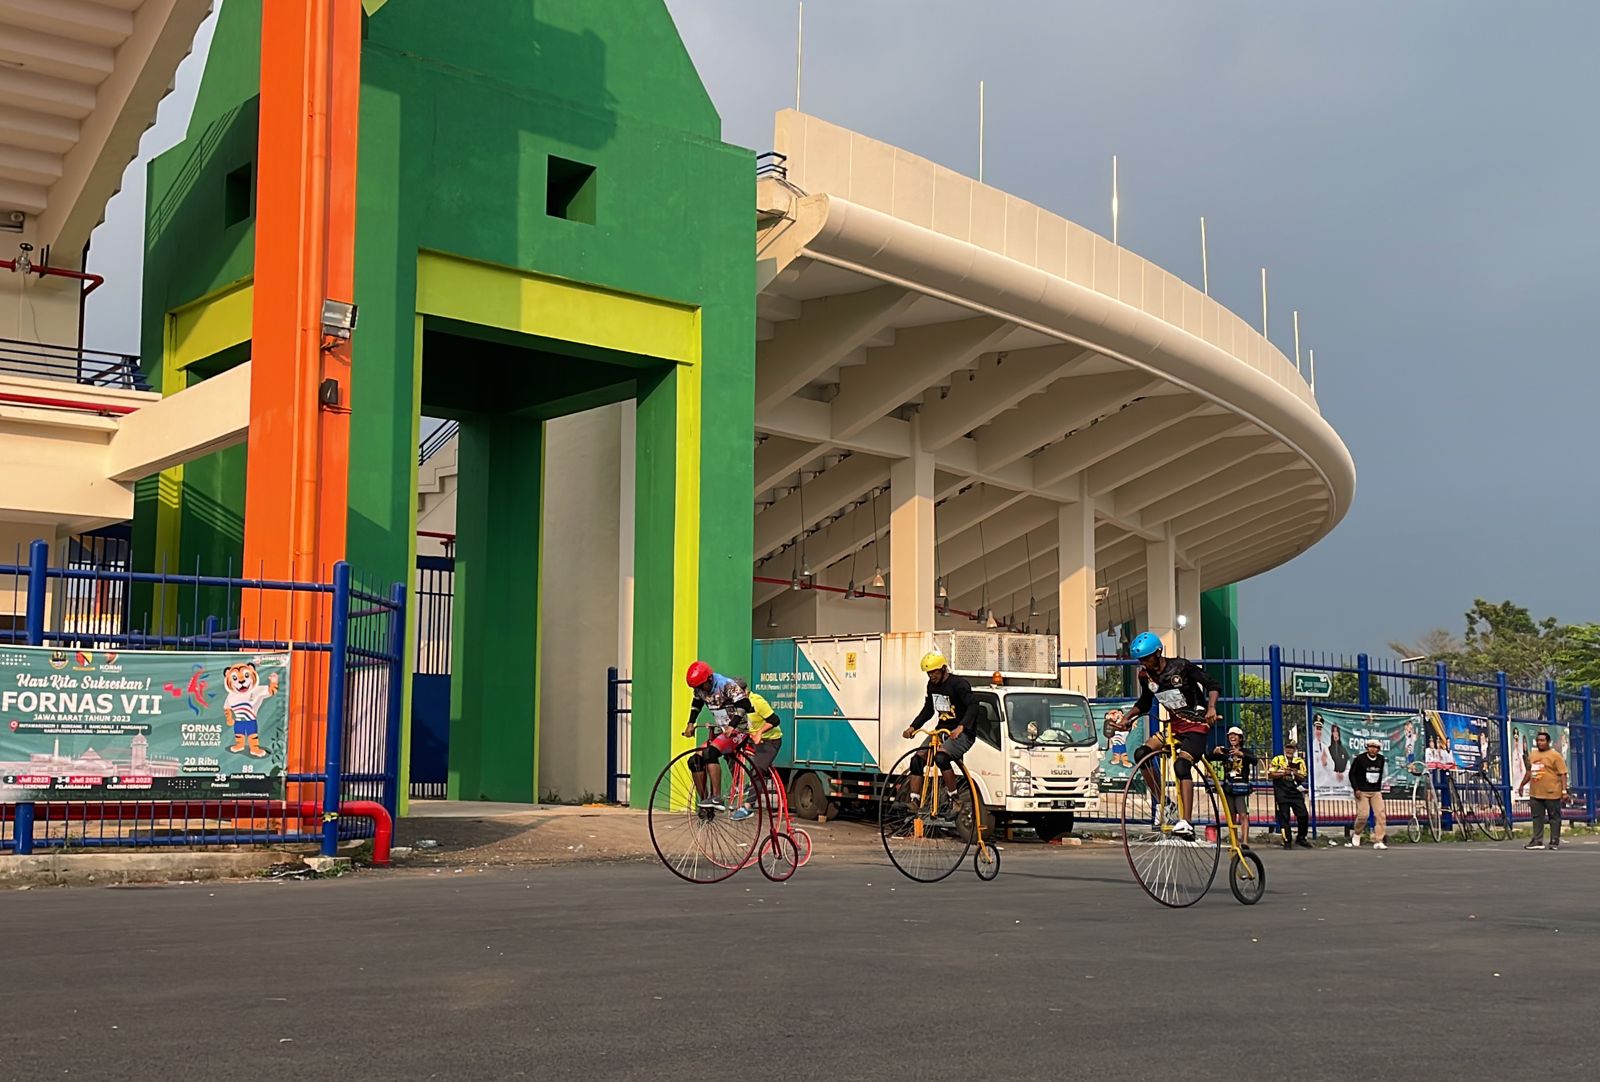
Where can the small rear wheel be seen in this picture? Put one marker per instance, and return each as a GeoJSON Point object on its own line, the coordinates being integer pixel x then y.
{"type": "Point", "coordinates": [802, 845]}
{"type": "Point", "coordinates": [986, 862]}
{"type": "Point", "coordinates": [779, 857]}
{"type": "Point", "coordinates": [1247, 878]}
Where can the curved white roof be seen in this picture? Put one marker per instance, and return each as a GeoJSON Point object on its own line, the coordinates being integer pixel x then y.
{"type": "Point", "coordinates": [904, 305]}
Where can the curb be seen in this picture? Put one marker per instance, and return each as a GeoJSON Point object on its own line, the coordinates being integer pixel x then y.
{"type": "Point", "coordinates": [102, 869]}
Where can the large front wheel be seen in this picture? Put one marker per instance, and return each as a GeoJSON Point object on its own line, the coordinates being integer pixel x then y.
{"type": "Point", "coordinates": [1175, 868]}
{"type": "Point", "coordinates": [925, 838]}
{"type": "Point", "coordinates": [703, 845]}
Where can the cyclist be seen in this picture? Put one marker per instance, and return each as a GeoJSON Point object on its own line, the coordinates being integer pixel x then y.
{"type": "Point", "coordinates": [1189, 695]}
{"type": "Point", "coordinates": [741, 716]}
{"type": "Point", "coordinates": [950, 701]}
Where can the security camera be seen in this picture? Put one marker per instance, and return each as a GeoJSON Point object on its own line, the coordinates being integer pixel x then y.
{"type": "Point", "coordinates": [17, 217]}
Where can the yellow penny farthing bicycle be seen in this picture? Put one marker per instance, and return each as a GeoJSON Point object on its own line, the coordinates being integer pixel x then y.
{"type": "Point", "coordinates": [928, 839]}
{"type": "Point", "coordinates": [1178, 870]}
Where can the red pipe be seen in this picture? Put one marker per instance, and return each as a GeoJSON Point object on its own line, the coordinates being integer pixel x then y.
{"type": "Point", "coordinates": [436, 533]}
{"type": "Point", "coordinates": [382, 834]}
{"type": "Point", "coordinates": [95, 281]}
{"type": "Point", "coordinates": [67, 404]}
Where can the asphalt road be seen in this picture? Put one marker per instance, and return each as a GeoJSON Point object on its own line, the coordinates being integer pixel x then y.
{"type": "Point", "coordinates": [1428, 962]}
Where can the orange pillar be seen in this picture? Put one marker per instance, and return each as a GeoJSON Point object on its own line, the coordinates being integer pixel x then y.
{"type": "Point", "coordinates": [297, 476]}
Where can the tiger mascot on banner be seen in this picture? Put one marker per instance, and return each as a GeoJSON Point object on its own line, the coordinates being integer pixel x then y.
{"type": "Point", "coordinates": [246, 693]}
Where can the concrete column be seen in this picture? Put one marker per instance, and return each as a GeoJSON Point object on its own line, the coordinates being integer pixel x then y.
{"type": "Point", "coordinates": [911, 540]}
{"type": "Point", "coordinates": [1189, 639]}
{"type": "Point", "coordinates": [1161, 605]}
{"type": "Point", "coordinates": [494, 678]}
{"type": "Point", "coordinates": [1075, 560]}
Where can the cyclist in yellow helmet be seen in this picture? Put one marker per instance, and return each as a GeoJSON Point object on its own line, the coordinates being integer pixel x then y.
{"type": "Point", "coordinates": [950, 701]}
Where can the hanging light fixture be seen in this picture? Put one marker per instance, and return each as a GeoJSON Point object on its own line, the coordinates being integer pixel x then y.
{"type": "Point", "coordinates": [1033, 606]}
{"type": "Point", "coordinates": [991, 622]}
{"type": "Point", "coordinates": [800, 538]}
{"type": "Point", "coordinates": [878, 582]}
{"type": "Point", "coordinates": [772, 620]}
{"type": "Point", "coordinates": [983, 550]}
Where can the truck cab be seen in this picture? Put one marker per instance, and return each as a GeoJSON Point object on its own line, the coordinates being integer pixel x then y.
{"type": "Point", "coordinates": [1033, 754]}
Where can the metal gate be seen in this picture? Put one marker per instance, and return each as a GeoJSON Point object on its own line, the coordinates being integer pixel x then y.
{"type": "Point", "coordinates": [430, 686]}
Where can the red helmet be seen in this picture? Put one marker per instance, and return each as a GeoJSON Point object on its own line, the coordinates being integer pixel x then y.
{"type": "Point", "coordinates": [698, 674]}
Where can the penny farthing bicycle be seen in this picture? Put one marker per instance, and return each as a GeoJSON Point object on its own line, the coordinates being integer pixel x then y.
{"type": "Point", "coordinates": [928, 838]}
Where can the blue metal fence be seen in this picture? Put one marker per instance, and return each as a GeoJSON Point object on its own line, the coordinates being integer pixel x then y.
{"type": "Point", "coordinates": [1391, 688]}
{"type": "Point", "coordinates": [348, 664]}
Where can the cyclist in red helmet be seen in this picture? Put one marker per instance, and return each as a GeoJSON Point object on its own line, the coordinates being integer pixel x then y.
{"type": "Point", "coordinates": [740, 716]}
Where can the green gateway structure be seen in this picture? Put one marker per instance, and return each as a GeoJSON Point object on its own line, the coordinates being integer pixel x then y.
{"type": "Point", "coordinates": [547, 221]}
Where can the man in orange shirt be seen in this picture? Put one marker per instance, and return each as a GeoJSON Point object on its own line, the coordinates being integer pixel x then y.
{"type": "Point", "coordinates": [1547, 770]}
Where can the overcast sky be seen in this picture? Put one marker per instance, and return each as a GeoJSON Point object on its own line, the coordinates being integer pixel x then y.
{"type": "Point", "coordinates": [1419, 179]}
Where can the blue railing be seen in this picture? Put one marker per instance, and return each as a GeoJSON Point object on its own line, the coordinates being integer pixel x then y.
{"type": "Point", "coordinates": [349, 655]}
{"type": "Point", "coordinates": [1391, 689]}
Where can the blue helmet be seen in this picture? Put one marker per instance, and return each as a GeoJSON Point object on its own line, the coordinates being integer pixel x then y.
{"type": "Point", "coordinates": [1145, 644]}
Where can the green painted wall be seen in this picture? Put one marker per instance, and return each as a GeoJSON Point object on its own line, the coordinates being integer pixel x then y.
{"type": "Point", "coordinates": [459, 119]}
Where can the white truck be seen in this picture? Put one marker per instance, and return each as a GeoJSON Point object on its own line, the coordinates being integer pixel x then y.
{"type": "Point", "coordinates": [845, 702]}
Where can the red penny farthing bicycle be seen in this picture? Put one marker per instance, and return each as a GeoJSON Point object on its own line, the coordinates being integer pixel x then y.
{"type": "Point", "coordinates": [744, 821]}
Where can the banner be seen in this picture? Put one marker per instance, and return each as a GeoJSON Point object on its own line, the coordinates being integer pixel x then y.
{"type": "Point", "coordinates": [1339, 736]}
{"type": "Point", "coordinates": [1116, 750]}
{"type": "Point", "coordinates": [104, 725]}
{"type": "Point", "coordinates": [1466, 742]}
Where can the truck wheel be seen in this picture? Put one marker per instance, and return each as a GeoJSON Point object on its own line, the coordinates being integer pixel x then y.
{"type": "Point", "coordinates": [1051, 827]}
{"type": "Point", "coordinates": [964, 820]}
{"type": "Point", "coordinates": [808, 799]}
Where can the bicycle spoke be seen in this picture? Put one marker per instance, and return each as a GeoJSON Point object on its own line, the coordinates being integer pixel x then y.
{"type": "Point", "coordinates": [1175, 871]}
{"type": "Point", "coordinates": [701, 845]}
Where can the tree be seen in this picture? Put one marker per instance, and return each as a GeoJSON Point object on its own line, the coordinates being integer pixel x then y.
{"type": "Point", "coordinates": [1577, 657]}
{"type": "Point", "coordinates": [1504, 637]}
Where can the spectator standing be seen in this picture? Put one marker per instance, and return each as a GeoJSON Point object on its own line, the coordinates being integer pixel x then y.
{"type": "Point", "coordinates": [1366, 779]}
{"type": "Point", "coordinates": [1288, 774]}
{"type": "Point", "coordinates": [1547, 770]}
{"type": "Point", "coordinates": [1238, 772]}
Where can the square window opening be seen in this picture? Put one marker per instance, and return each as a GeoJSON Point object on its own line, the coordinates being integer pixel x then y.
{"type": "Point", "coordinates": [570, 190]}
{"type": "Point", "coordinates": [236, 196]}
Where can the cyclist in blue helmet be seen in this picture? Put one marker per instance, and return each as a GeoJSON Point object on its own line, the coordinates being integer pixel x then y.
{"type": "Point", "coordinates": [1189, 695]}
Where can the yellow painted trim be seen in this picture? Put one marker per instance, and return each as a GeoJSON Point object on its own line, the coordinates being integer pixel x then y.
{"type": "Point", "coordinates": [404, 781]}
{"type": "Point", "coordinates": [685, 547]}
{"type": "Point", "coordinates": [528, 303]}
{"type": "Point", "coordinates": [209, 325]}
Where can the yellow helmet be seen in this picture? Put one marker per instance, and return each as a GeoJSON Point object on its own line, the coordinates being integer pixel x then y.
{"type": "Point", "coordinates": [934, 660]}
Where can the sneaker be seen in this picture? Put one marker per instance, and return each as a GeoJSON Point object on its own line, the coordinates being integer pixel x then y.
{"type": "Point", "coordinates": [1182, 829]}
{"type": "Point", "coordinates": [741, 813]}
{"type": "Point", "coordinates": [1303, 844]}
{"type": "Point", "coordinates": [713, 803]}
{"type": "Point", "coordinates": [1534, 845]}
{"type": "Point", "coordinates": [1379, 845]}
{"type": "Point", "coordinates": [1354, 842]}
{"type": "Point", "coordinates": [1555, 845]}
